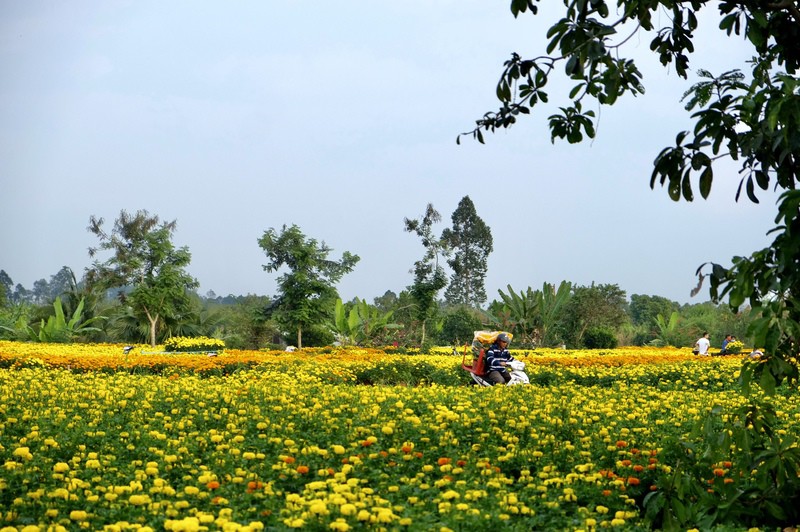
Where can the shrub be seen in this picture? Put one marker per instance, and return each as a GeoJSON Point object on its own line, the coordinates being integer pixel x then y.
{"type": "Point", "coordinates": [600, 338]}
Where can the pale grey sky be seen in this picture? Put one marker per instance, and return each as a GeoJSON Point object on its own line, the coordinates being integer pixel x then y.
{"type": "Point", "coordinates": [340, 117]}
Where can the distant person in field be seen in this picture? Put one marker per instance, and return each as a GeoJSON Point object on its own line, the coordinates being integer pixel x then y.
{"type": "Point", "coordinates": [701, 346]}
{"type": "Point", "coordinates": [497, 357]}
{"type": "Point", "coordinates": [728, 339]}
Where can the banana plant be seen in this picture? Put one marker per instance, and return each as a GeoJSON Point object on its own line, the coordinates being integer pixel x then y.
{"type": "Point", "coordinates": [524, 311]}
{"type": "Point", "coordinates": [58, 330]}
{"type": "Point", "coordinates": [551, 301]}
{"type": "Point", "coordinates": [362, 324]}
{"type": "Point", "coordinates": [667, 329]}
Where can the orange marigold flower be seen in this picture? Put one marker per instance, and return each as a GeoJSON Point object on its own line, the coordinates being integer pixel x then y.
{"type": "Point", "coordinates": [634, 451]}
{"type": "Point", "coordinates": [728, 481]}
{"type": "Point", "coordinates": [289, 460]}
{"type": "Point", "coordinates": [626, 463]}
{"type": "Point", "coordinates": [443, 461]}
{"type": "Point", "coordinates": [606, 493]}
{"type": "Point", "coordinates": [653, 487]}
{"type": "Point", "coordinates": [407, 448]}
{"type": "Point", "coordinates": [622, 443]}
{"type": "Point", "coordinates": [633, 481]}
{"type": "Point", "coordinates": [638, 468]}
{"type": "Point", "coordinates": [302, 469]}
{"type": "Point", "coordinates": [418, 454]}
{"type": "Point", "coordinates": [727, 464]}
{"type": "Point", "coordinates": [212, 485]}
{"type": "Point", "coordinates": [461, 463]}
{"type": "Point", "coordinates": [719, 472]}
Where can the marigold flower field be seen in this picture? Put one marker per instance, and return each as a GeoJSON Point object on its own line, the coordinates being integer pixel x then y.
{"type": "Point", "coordinates": [344, 439]}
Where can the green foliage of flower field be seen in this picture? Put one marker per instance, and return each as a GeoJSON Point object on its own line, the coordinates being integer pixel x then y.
{"type": "Point", "coordinates": [322, 444]}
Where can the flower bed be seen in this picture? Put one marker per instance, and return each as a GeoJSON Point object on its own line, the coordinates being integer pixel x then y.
{"type": "Point", "coordinates": [287, 441]}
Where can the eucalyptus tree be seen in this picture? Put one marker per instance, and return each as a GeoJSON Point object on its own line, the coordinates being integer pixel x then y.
{"type": "Point", "coordinates": [470, 240]}
{"type": "Point", "coordinates": [429, 276]}
{"type": "Point", "coordinates": [145, 267]}
{"type": "Point", "coordinates": [5, 288]}
{"type": "Point", "coordinates": [306, 292]}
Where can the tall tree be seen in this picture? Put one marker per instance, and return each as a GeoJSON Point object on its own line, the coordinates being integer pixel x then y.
{"type": "Point", "coordinates": [5, 288]}
{"type": "Point", "coordinates": [61, 282]}
{"type": "Point", "coordinates": [752, 118]}
{"type": "Point", "coordinates": [41, 291]}
{"type": "Point", "coordinates": [592, 307]}
{"type": "Point", "coordinates": [471, 241]}
{"type": "Point", "coordinates": [146, 264]}
{"type": "Point", "coordinates": [306, 292]}
{"type": "Point", "coordinates": [429, 276]}
{"type": "Point", "coordinates": [644, 309]}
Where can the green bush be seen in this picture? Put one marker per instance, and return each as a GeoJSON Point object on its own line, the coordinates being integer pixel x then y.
{"type": "Point", "coordinates": [600, 338]}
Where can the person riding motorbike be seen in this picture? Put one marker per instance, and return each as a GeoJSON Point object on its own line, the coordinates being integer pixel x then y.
{"type": "Point", "coordinates": [497, 359]}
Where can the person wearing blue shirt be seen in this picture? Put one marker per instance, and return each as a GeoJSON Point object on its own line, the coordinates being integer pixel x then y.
{"type": "Point", "coordinates": [497, 358]}
{"type": "Point", "coordinates": [728, 339]}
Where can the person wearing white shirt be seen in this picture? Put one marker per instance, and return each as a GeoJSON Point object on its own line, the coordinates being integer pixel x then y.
{"type": "Point", "coordinates": [701, 346]}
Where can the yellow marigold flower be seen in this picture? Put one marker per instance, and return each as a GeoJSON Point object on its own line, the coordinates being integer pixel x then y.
{"type": "Point", "coordinates": [23, 452]}
{"type": "Point", "coordinates": [347, 509]}
{"type": "Point", "coordinates": [339, 525]}
{"type": "Point", "coordinates": [139, 500]}
{"type": "Point", "coordinates": [450, 494]}
{"type": "Point", "coordinates": [61, 467]}
{"type": "Point", "coordinates": [78, 515]}
{"type": "Point", "coordinates": [318, 507]}
{"type": "Point", "coordinates": [363, 515]}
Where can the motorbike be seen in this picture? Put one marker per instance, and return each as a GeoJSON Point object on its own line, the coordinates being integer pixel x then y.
{"type": "Point", "coordinates": [516, 368]}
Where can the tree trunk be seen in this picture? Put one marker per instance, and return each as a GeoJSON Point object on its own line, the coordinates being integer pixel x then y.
{"type": "Point", "coordinates": [299, 337]}
{"type": "Point", "coordinates": [153, 322]}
